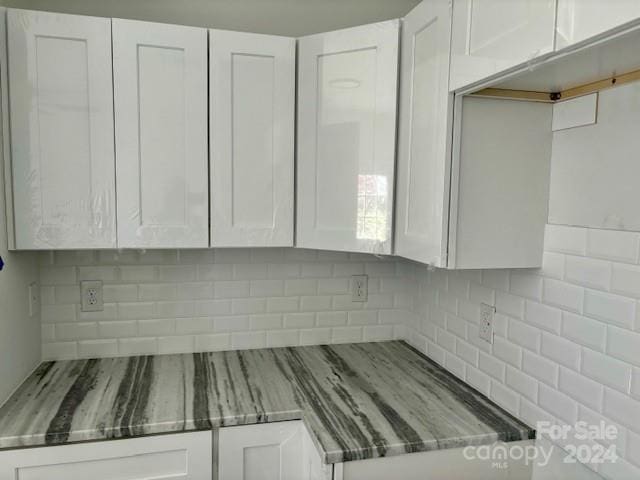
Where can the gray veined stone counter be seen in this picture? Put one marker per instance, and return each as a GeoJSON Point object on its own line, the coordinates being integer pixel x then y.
{"type": "Point", "coordinates": [359, 401]}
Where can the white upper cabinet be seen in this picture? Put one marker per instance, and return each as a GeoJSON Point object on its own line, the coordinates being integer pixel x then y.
{"type": "Point", "coordinates": [471, 193]}
{"type": "Point", "coordinates": [424, 135]}
{"type": "Point", "coordinates": [160, 91]}
{"type": "Point", "coordinates": [581, 19]}
{"type": "Point", "coordinates": [490, 36]}
{"type": "Point", "coordinates": [61, 130]}
{"type": "Point", "coordinates": [347, 83]}
{"type": "Point", "coordinates": [252, 105]}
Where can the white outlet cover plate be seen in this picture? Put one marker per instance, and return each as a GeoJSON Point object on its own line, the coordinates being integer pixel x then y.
{"type": "Point", "coordinates": [34, 299]}
{"type": "Point", "coordinates": [487, 312]}
{"type": "Point", "coordinates": [91, 295]}
{"type": "Point", "coordinates": [359, 288]}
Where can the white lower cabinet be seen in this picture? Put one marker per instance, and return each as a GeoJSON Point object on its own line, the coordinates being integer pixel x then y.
{"type": "Point", "coordinates": [181, 456]}
{"type": "Point", "coordinates": [270, 451]}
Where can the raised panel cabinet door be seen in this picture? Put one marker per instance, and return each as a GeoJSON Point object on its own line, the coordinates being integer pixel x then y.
{"type": "Point", "coordinates": [184, 456]}
{"type": "Point", "coordinates": [490, 36]}
{"type": "Point", "coordinates": [347, 91]}
{"type": "Point", "coordinates": [424, 146]}
{"type": "Point", "coordinates": [580, 20]}
{"type": "Point", "coordinates": [252, 112]}
{"type": "Point", "coordinates": [268, 451]}
{"type": "Point", "coordinates": [61, 104]}
{"type": "Point", "coordinates": [160, 96]}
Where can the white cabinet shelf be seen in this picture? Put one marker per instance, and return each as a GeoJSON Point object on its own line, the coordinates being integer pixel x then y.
{"type": "Point", "coordinates": [62, 153]}
{"type": "Point", "coordinates": [347, 83]}
{"type": "Point", "coordinates": [252, 112]}
{"type": "Point", "coordinates": [160, 80]}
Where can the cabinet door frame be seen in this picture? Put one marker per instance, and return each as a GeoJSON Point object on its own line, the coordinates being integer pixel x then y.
{"type": "Point", "coordinates": [197, 448]}
{"type": "Point", "coordinates": [224, 46]}
{"type": "Point", "coordinates": [430, 247]}
{"type": "Point", "coordinates": [232, 442]}
{"type": "Point", "coordinates": [128, 36]}
{"type": "Point", "coordinates": [24, 28]}
{"type": "Point", "coordinates": [5, 174]}
{"type": "Point", "coordinates": [382, 37]}
{"type": "Point", "coordinates": [487, 67]}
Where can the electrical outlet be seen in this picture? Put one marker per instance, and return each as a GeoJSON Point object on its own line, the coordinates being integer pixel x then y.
{"type": "Point", "coordinates": [487, 313]}
{"type": "Point", "coordinates": [91, 292]}
{"type": "Point", "coordinates": [359, 288]}
{"type": "Point", "coordinates": [34, 299]}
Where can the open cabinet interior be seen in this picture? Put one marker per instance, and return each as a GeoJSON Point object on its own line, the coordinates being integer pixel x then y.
{"type": "Point", "coordinates": [499, 183]}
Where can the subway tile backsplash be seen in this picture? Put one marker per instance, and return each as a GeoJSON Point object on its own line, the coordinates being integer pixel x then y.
{"type": "Point", "coordinates": [167, 301]}
{"type": "Point", "coordinates": [566, 337]}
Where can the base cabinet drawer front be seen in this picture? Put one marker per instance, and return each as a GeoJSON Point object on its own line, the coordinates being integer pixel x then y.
{"type": "Point", "coordinates": [252, 123]}
{"type": "Point", "coordinates": [347, 83]}
{"type": "Point", "coordinates": [62, 155]}
{"type": "Point", "coordinates": [271, 451]}
{"type": "Point", "coordinates": [580, 20]}
{"type": "Point", "coordinates": [181, 456]}
{"type": "Point", "coordinates": [490, 36]}
{"type": "Point", "coordinates": [160, 97]}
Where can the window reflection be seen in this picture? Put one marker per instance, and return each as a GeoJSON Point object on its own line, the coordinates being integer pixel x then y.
{"type": "Point", "coordinates": [372, 207]}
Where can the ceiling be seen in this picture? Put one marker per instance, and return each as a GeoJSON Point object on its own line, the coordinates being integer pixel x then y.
{"type": "Point", "coordinates": [279, 17]}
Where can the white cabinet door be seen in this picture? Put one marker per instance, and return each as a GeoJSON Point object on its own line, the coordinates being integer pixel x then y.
{"type": "Point", "coordinates": [490, 36]}
{"type": "Point", "coordinates": [424, 148]}
{"type": "Point", "coordinates": [269, 451]}
{"type": "Point", "coordinates": [160, 89]}
{"type": "Point", "coordinates": [252, 98]}
{"type": "Point", "coordinates": [61, 103]}
{"type": "Point", "coordinates": [186, 456]}
{"type": "Point", "coordinates": [581, 19]}
{"type": "Point", "coordinates": [347, 84]}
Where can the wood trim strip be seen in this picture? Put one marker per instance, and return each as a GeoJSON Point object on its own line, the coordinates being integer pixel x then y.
{"type": "Point", "coordinates": [552, 97]}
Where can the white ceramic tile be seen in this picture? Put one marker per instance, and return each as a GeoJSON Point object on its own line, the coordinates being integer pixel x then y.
{"type": "Point", "coordinates": [624, 345]}
{"type": "Point", "coordinates": [558, 404]}
{"type": "Point", "coordinates": [588, 272]}
{"type": "Point", "coordinates": [583, 330]}
{"type": "Point", "coordinates": [560, 350]}
{"type": "Point", "coordinates": [613, 309]}
{"type": "Point", "coordinates": [563, 295]}
{"type": "Point", "coordinates": [613, 245]}
{"type": "Point", "coordinates": [606, 370]}
{"type": "Point", "coordinates": [580, 388]}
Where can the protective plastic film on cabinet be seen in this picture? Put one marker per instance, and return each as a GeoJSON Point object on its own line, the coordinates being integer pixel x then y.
{"type": "Point", "coordinates": [252, 122]}
{"type": "Point", "coordinates": [490, 36]}
{"type": "Point", "coordinates": [347, 88]}
{"type": "Point", "coordinates": [424, 146]}
{"type": "Point", "coordinates": [61, 123]}
{"type": "Point", "coordinates": [160, 97]}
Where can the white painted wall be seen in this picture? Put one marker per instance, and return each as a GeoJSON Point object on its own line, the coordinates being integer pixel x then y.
{"type": "Point", "coordinates": [19, 333]}
{"type": "Point", "coordinates": [278, 17]}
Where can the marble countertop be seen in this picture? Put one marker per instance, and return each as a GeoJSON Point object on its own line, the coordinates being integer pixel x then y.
{"type": "Point", "coordinates": [359, 401]}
